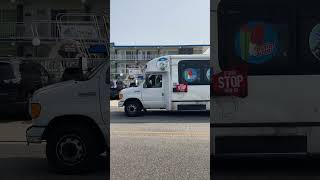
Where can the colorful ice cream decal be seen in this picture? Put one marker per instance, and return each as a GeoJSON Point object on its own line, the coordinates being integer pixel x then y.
{"type": "Point", "coordinates": [256, 42]}
{"type": "Point", "coordinates": [208, 74]}
{"type": "Point", "coordinates": [314, 41]}
{"type": "Point", "coordinates": [190, 74]}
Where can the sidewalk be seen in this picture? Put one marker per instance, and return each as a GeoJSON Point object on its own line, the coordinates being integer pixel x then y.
{"type": "Point", "coordinates": [114, 106]}
{"type": "Point", "coordinates": [13, 131]}
{"type": "Point", "coordinates": [114, 103]}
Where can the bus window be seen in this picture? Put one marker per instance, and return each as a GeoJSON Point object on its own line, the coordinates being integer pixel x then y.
{"type": "Point", "coordinates": [193, 72]}
{"type": "Point", "coordinates": [308, 41]}
{"type": "Point", "coordinates": [260, 41]}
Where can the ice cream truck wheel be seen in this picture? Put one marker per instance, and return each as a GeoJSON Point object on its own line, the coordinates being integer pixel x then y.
{"type": "Point", "coordinates": [133, 107]}
{"type": "Point", "coordinates": [73, 146]}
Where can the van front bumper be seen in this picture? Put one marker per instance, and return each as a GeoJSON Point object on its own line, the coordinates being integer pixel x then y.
{"type": "Point", "coordinates": [120, 103]}
{"type": "Point", "coordinates": [34, 134]}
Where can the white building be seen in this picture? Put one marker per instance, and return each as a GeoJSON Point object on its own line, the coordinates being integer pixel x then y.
{"type": "Point", "coordinates": [128, 62]}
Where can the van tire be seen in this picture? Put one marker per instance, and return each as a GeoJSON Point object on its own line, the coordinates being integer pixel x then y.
{"type": "Point", "coordinates": [70, 138]}
{"type": "Point", "coordinates": [133, 108]}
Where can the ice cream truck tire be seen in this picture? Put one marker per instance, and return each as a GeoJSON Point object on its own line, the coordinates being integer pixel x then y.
{"type": "Point", "coordinates": [133, 108]}
{"type": "Point", "coordinates": [72, 149]}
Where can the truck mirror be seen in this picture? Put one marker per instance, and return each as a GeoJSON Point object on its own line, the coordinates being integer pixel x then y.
{"type": "Point", "coordinates": [84, 64]}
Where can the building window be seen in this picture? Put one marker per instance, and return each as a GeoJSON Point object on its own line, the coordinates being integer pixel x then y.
{"type": "Point", "coordinates": [185, 51]}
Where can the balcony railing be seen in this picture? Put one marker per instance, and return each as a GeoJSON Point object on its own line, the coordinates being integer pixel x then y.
{"type": "Point", "coordinates": [53, 30]}
{"type": "Point", "coordinates": [133, 57]}
{"type": "Point", "coordinates": [55, 67]}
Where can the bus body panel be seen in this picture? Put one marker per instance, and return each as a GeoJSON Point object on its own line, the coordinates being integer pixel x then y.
{"type": "Point", "coordinates": [279, 109]}
{"type": "Point", "coordinates": [280, 99]}
{"type": "Point", "coordinates": [196, 93]}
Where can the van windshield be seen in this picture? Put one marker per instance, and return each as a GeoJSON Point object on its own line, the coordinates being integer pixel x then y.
{"type": "Point", "coordinates": [93, 71]}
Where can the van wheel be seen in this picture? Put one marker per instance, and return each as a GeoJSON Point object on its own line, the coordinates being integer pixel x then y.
{"type": "Point", "coordinates": [133, 108]}
{"type": "Point", "coordinates": [71, 149]}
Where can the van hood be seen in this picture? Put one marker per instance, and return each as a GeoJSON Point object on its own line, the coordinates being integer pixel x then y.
{"type": "Point", "coordinates": [54, 86]}
{"type": "Point", "coordinates": [130, 90]}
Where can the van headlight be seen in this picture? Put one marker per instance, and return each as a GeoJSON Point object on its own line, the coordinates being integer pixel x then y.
{"type": "Point", "coordinates": [120, 96]}
{"type": "Point", "coordinates": [35, 110]}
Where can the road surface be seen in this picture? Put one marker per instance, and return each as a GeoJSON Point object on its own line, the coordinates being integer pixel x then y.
{"type": "Point", "coordinates": [160, 145]}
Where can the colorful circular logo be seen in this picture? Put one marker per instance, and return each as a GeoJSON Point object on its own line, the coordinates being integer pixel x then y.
{"type": "Point", "coordinates": [190, 75]}
{"type": "Point", "coordinates": [256, 42]}
{"type": "Point", "coordinates": [208, 74]}
{"type": "Point", "coordinates": [162, 63]}
{"type": "Point", "coordinates": [314, 41]}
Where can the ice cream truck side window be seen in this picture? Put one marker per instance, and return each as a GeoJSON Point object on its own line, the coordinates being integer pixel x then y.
{"type": "Point", "coordinates": [260, 41]}
{"type": "Point", "coordinates": [193, 72]}
{"type": "Point", "coordinates": [308, 40]}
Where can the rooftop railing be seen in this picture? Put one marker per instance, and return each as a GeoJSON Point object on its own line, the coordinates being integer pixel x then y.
{"type": "Point", "coordinates": [133, 57]}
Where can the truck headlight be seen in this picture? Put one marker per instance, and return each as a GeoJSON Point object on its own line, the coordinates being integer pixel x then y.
{"type": "Point", "coordinates": [35, 110]}
{"type": "Point", "coordinates": [120, 96]}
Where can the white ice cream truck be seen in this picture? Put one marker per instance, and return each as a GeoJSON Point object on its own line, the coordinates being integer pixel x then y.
{"type": "Point", "coordinates": [273, 109]}
{"type": "Point", "coordinates": [173, 83]}
{"type": "Point", "coordinates": [72, 118]}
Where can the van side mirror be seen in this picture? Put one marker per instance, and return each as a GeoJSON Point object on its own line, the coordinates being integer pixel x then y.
{"type": "Point", "coordinates": [83, 64]}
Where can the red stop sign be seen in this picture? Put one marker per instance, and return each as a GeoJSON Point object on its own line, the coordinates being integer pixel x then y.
{"type": "Point", "coordinates": [231, 82]}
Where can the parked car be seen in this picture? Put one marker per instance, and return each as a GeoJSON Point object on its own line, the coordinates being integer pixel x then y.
{"type": "Point", "coordinates": [114, 93]}
{"type": "Point", "coordinates": [120, 85]}
{"type": "Point", "coordinates": [18, 80]}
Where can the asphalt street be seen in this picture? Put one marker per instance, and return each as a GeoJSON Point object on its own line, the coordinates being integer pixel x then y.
{"type": "Point", "coordinates": [160, 145]}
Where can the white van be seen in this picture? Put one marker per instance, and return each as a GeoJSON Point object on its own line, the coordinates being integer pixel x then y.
{"type": "Point", "coordinates": [173, 83]}
{"type": "Point", "coordinates": [72, 117]}
{"type": "Point", "coordinates": [279, 111]}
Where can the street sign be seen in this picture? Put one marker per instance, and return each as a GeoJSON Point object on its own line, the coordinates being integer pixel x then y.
{"type": "Point", "coordinates": [181, 88]}
{"type": "Point", "coordinates": [231, 82]}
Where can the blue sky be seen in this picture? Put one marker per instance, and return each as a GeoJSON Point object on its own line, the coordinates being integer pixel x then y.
{"type": "Point", "coordinates": [160, 22]}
